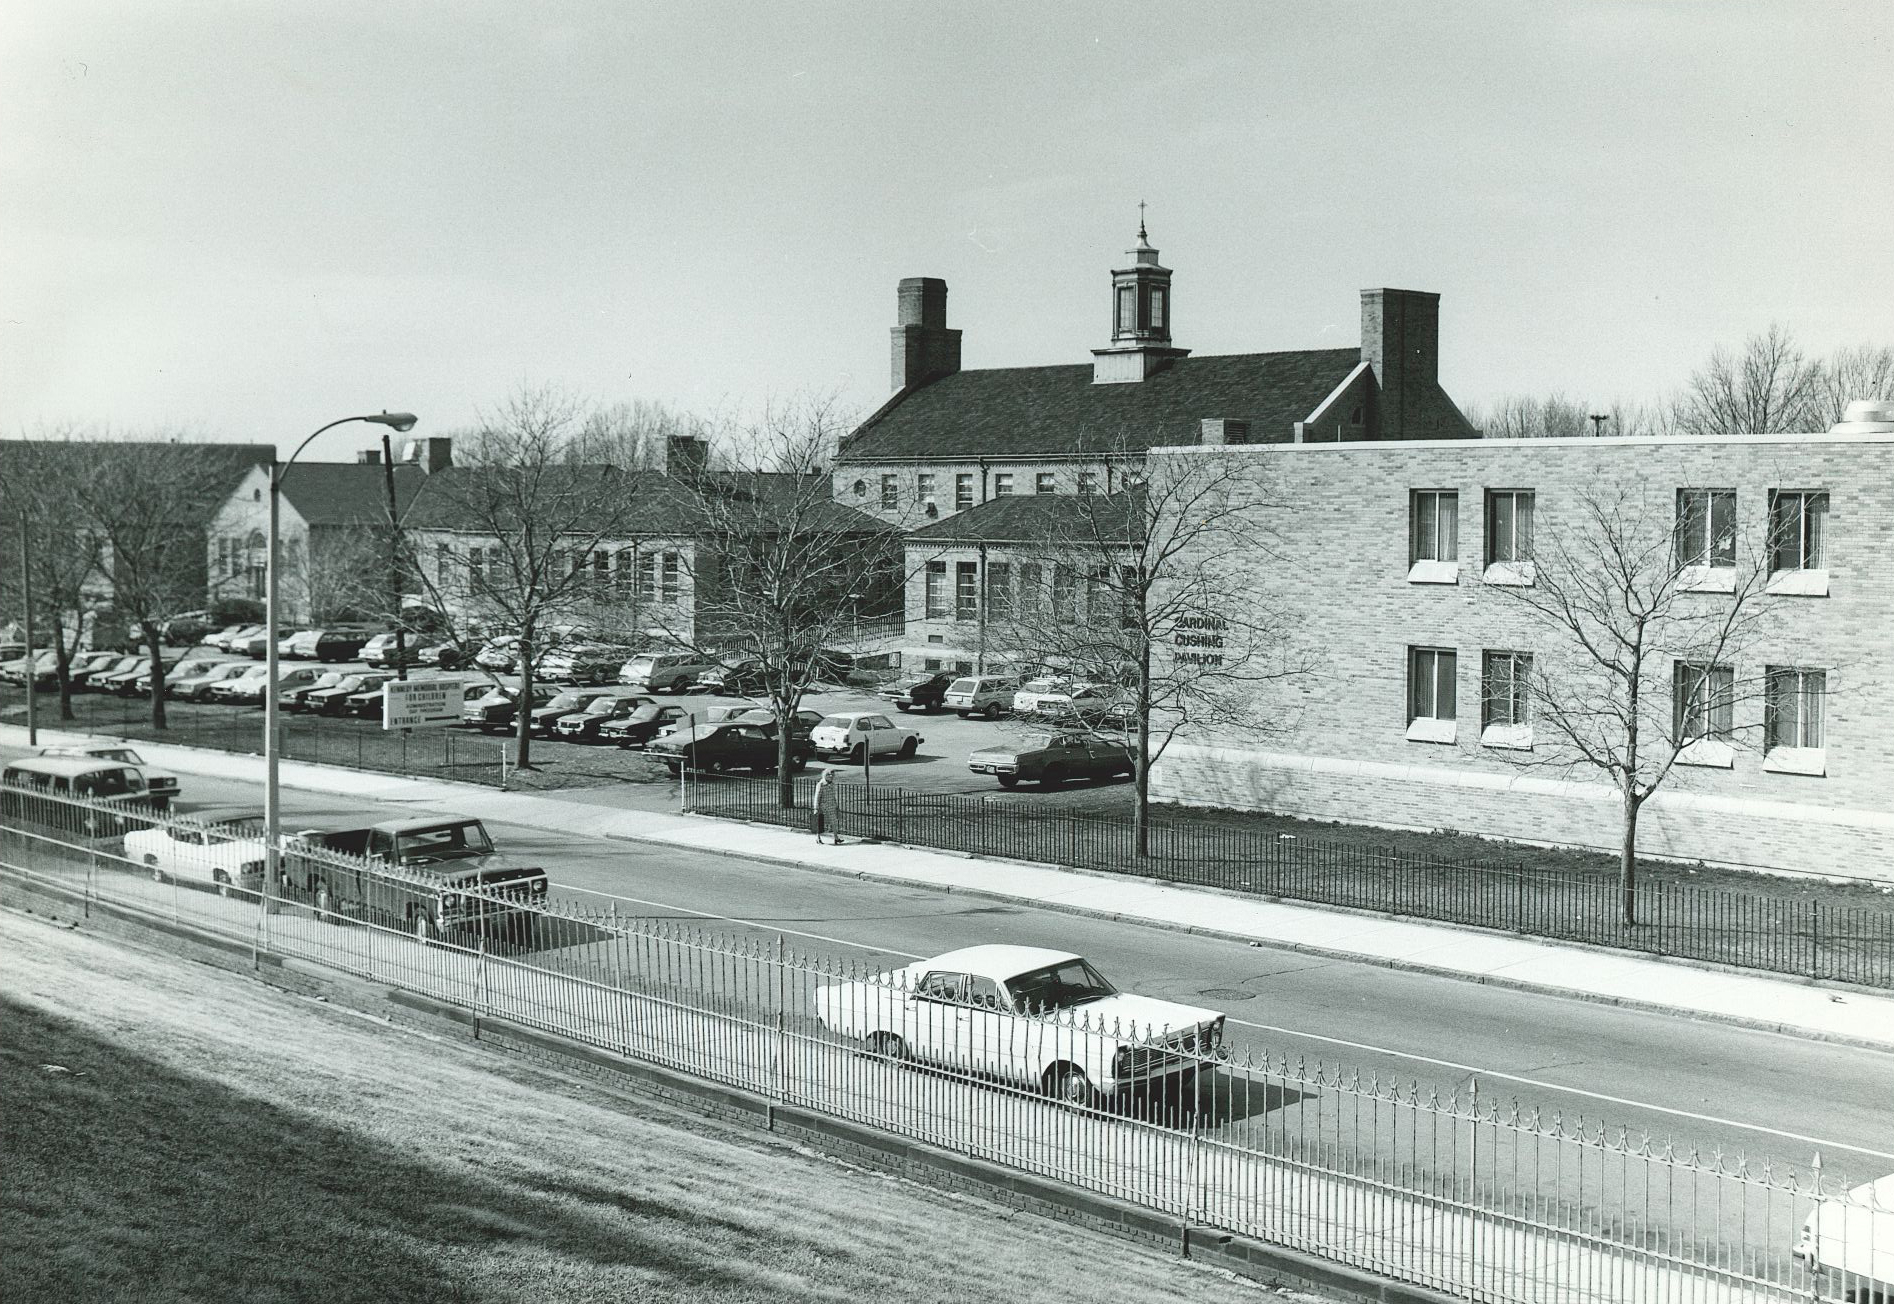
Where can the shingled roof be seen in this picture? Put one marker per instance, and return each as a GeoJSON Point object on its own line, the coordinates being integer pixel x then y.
{"type": "Point", "coordinates": [348, 493]}
{"type": "Point", "coordinates": [1038, 518]}
{"type": "Point", "coordinates": [1053, 411]}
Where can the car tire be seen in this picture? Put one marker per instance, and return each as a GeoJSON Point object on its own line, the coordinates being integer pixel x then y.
{"type": "Point", "coordinates": [679, 687]}
{"type": "Point", "coordinates": [1008, 780]}
{"type": "Point", "coordinates": [1053, 777]}
{"type": "Point", "coordinates": [1068, 1084]}
{"type": "Point", "coordinates": [797, 764]}
{"type": "Point", "coordinates": [908, 749]}
{"type": "Point", "coordinates": [991, 711]}
{"type": "Point", "coordinates": [902, 707]}
{"type": "Point", "coordinates": [858, 755]}
{"type": "Point", "coordinates": [886, 1045]}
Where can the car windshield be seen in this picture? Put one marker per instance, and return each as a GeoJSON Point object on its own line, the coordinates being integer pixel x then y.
{"type": "Point", "coordinates": [962, 686]}
{"type": "Point", "coordinates": [604, 705]}
{"type": "Point", "coordinates": [1044, 686]}
{"type": "Point", "coordinates": [645, 711]}
{"type": "Point", "coordinates": [566, 701]}
{"type": "Point", "coordinates": [1059, 987]}
{"type": "Point", "coordinates": [639, 666]}
{"type": "Point", "coordinates": [468, 838]}
{"type": "Point", "coordinates": [329, 680]}
{"type": "Point", "coordinates": [837, 722]}
{"type": "Point", "coordinates": [347, 683]}
{"type": "Point", "coordinates": [1035, 742]}
{"type": "Point", "coordinates": [123, 755]}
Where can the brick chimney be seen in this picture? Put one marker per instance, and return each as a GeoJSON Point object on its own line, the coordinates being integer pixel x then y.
{"type": "Point", "coordinates": [686, 455]}
{"type": "Point", "coordinates": [1400, 339]}
{"type": "Point", "coordinates": [435, 453]}
{"type": "Point", "coordinates": [923, 348]}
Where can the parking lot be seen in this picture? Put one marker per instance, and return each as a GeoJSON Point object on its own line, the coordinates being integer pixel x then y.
{"type": "Point", "coordinates": [939, 765]}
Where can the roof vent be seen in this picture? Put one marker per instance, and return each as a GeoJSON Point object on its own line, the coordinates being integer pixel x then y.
{"type": "Point", "coordinates": [1866, 416]}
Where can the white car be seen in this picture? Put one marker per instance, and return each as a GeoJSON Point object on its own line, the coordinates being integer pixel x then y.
{"type": "Point", "coordinates": [1852, 1236]}
{"type": "Point", "coordinates": [221, 848]}
{"type": "Point", "coordinates": [858, 734]}
{"type": "Point", "coordinates": [1040, 1018]}
{"type": "Point", "coordinates": [1034, 693]}
{"type": "Point", "coordinates": [161, 785]}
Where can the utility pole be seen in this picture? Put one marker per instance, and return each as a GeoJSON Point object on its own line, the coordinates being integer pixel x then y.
{"type": "Point", "coordinates": [1598, 420]}
{"type": "Point", "coordinates": [394, 556]}
{"type": "Point", "coordinates": [32, 656]}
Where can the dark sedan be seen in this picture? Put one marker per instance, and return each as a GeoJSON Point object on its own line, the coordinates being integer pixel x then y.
{"type": "Point", "coordinates": [297, 698]}
{"type": "Point", "coordinates": [333, 700]}
{"type": "Point", "coordinates": [1051, 759]}
{"type": "Point", "coordinates": [726, 746]}
{"type": "Point", "coordinates": [640, 725]}
{"type": "Point", "coordinates": [923, 694]}
{"type": "Point", "coordinates": [585, 726]}
{"type": "Point", "coordinates": [571, 701]}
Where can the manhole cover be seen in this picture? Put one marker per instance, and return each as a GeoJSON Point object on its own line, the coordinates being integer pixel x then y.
{"type": "Point", "coordinates": [1227, 994]}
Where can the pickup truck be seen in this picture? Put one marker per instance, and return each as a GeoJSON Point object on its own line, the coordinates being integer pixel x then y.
{"type": "Point", "coordinates": [1022, 1014]}
{"type": "Point", "coordinates": [414, 874]}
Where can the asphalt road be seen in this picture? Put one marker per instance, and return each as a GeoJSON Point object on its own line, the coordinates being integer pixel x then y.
{"type": "Point", "coordinates": [1698, 1085]}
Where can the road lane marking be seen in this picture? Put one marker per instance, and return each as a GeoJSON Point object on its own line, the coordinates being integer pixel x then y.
{"type": "Point", "coordinates": [1316, 1036]}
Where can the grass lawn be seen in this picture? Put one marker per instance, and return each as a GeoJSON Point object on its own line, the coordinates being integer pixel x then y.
{"type": "Point", "coordinates": [176, 1133]}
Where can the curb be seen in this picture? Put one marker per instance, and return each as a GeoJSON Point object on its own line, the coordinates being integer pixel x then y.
{"type": "Point", "coordinates": [1328, 953]}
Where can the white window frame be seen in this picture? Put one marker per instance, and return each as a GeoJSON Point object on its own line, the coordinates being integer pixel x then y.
{"type": "Point", "coordinates": [1704, 695]}
{"type": "Point", "coordinates": [1506, 699]}
{"type": "Point", "coordinates": [1429, 669]}
{"type": "Point", "coordinates": [1433, 545]}
{"type": "Point", "coordinates": [1509, 550]}
{"type": "Point", "coordinates": [1706, 557]}
{"type": "Point", "coordinates": [934, 600]}
{"type": "Point", "coordinates": [1808, 549]}
{"type": "Point", "coordinates": [1002, 484]}
{"type": "Point", "coordinates": [1045, 482]}
{"type": "Point", "coordinates": [1795, 720]}
{"type": "Point", "coordinates": [890, 493]}
{"type": "Point", "coordinates": [1088, 483]}
{"type": "Point", "coordinates": [963, 490]}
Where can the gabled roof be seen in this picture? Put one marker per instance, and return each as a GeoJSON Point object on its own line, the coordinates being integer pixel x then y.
{"type": "Point", "coordinates": [1077, 519]}
{"type": "Point", "coordinates": [348, 493]}
{"type": "Point", "coordinates": [1052, 411]}
{"type": "Point", "coordinates": [224, 464]}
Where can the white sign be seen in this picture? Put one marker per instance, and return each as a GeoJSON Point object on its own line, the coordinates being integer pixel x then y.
{"type": "Point", "coordinates": [421, 703]}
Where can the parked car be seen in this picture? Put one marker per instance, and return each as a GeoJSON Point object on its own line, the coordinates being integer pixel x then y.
{"type": "Point", "coordinates": [21, 668]}
{"type": "Point", "coordinates": [1051, 758]}
{"type": "Point", "coordinates": [1092, 704]}
{"type": "Point", "coordinates": [926, 693]}
{"type": "Point", "coordinates": [197, 687]}
{"type": "Point", "coordinates": [297, 698]}
{"type": "Point", "coordinates": [87, 664]}
{"type": "Point", "coordinates": [664, 672]}
{"type": "Point", "coordinates": [183, 670]}
{"type": "Point", "coordinates": [222, 848]}
{"type": "Point", "coordinates": [186, 629]}
{"type": "Point", "coordinates": [990, 696]}
{"type": "Point", "coordinates": [249, 688]}
{"type": "Point", "coordinates": [860, 734]}
{"type": "Point", "coordinates": [570, 701]}
{"type": "Point", "coordinates": [340, 644]}
{"type": "Point", "coordinates": [612, 704]}
{"type": "Point", "coordinates": [724, 746]}
{"type": "Point", "coordinates": [499, 654]}
{"type": "Point", "coordinates": [439, 860]}
{"type": "Point", "coordinates": [333, 699]}
{"type": "Point", "coordinates": [1849, 1239]}
{"type": "Point", "coordinates": [1034, 691]}
{"type": "Point", "coordinates": [713, 711]}
{"type": "Point", "coordinates": [1023, 1014]}
{"type": "Point", "coordinates": [583, 663]}
{"type": "Point", "coordinates": [256, 645]}
{"type": "Point", "coordinates": [229, 634]}
{"type": "Point", "coordinates": [126, 683]}
{"type": "Point", "coordinates": [365, 702]}
{"type": "Point", "coordinates": [160, 785]}
{"type": "Point", "coordinates": [496, 708]}
{"type": "Point", "coordinates": [732, 675]}
{"type": "Point", "coordinates": [641, 724]}
{"type": "Point", "coordinates": [801, 724]}
{"type": "Point", "coordinates": [420, 650]}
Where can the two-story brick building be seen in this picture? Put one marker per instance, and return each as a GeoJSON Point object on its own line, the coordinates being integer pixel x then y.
{"type": "Point", "coordinates": [1404, 564]}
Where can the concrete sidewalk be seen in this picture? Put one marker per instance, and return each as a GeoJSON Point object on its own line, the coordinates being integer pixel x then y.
{"type": "Point", "coordinates": [1779, 1004]}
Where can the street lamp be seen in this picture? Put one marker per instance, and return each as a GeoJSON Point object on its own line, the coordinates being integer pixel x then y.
{"type": "Point", "coordinates": [272, 796]}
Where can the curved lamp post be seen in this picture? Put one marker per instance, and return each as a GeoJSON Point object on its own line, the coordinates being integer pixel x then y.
{"type": "Point", "coordinates": [272, 797]}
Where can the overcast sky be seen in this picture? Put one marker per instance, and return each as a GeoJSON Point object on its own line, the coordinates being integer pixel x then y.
{"type": "Point", "coordinates": [247, 219]}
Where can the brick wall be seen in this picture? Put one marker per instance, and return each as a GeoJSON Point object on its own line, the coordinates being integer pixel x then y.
{"type": "Point", "coordinates": [1340, 566]}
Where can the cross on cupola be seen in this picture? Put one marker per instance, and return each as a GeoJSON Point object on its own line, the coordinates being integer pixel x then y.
{"type": "Point", "coordinates": [1141, 317]}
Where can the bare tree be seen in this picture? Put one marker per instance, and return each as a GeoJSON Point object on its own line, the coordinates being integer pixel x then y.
{"type": "Point", "coordinates": [780, 570]}
{"type": "Point", "coordinates": [1649, 610]}
{"type": "Point", "coordinates": [36, 479]}
{"type": "Point", "coordinates": [1768, 387]}
{"type": "Point", "coordinates": [539, 486]}
{"type": "Point", "coordinates": [1558, 416]}
{"type": "Point", "coordinates": [1151, 589]}
{"type": "Point", "coordinates": [1863, 371]}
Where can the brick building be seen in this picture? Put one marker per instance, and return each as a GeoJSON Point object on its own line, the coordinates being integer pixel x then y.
{"type": "Point", "coordinates": [1397, 560]}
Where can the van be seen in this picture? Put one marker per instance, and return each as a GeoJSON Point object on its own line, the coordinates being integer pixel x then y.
{"type": "Point", "coordinates": [666, 672]}
{"type": "Point", "coordinates": [990, 696]}
{"type": "Point", "coordinates": [54, 792]}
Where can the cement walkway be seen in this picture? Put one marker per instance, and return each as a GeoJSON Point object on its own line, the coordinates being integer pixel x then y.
{"type": "Point", "coordinates": [1778, 1004]}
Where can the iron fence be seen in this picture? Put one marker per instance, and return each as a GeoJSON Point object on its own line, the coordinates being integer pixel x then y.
{"type": "Point", "coordinates": [1808, 938]}
{"type": "Point", "coordinates": [1480, 1197]}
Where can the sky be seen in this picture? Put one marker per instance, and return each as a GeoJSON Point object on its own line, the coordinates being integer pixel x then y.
{"type": "Point", "coordinates": [244, 220]}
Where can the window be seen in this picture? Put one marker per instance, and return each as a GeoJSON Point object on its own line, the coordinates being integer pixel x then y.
{"type": "Point", "coordinates": [476, 570]}
{"type": "Point", "coordinates": [1509, 536]}
{"type": "Point", "coordinates": [1002, 483]}
{"type": "Point", "coordinates": [890, 494]}
{"type": "Point", "coordinates": [1431, 702]}
{"type": "Point", "coordinates": [1030, 595]}
{"type": "Point", "coordinates": [1798, 557]}
{"type": "Point", "coordinates": [934, 594]}
{"type": "Point", "coordinates": [924, 485]}
{"type": "Point", "coordinates": [1794, 714]}
{"type": "Point", "coordinates": [1088, 482]}
{"type": "Point", "coordinates": [625, 572]}
{"type": "Point", "coordinates": [1065, 593]}
{"type": "Point", "coordinates": [1157, 308]}
{"type": "Point", "coordinates": [601, 570]}
{"type": "Point", "coordinates": [1433, 536]}
{"type": "Point", "coordinates": [671, 566]}
{"type": "Point", "coordinates": [1505, 704]}
{"type": "Point", "coordinates": [1706, 527]}
{"type": "Point", "coordinates": [443, 568]}
{"type": "Point", "coordinates": [999, 589]}
{"type": "Point", "coordinates": [966, 590]}
{"type": "Point", "coordinates": [1127, 308]}
{"type": "Point", "coordinates": [963, 491]}
{"type": "Point", "coordinates": [648, 578]}
{"type": "Point", "coordinates": [1702, 713]}
{"type": "Point", "coordinates": [1043, 483]}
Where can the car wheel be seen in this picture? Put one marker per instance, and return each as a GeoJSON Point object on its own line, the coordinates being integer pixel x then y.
{"type": "Point", "coordinates": [1068, 1084]}
{"type": "Point", "coordinates": [858, 755]}
{"type": "Point", "coordinates": [910, 747]}
{"type": "Point", "coordinates": [1008, 780]}
{"type": "Point", "coordinates": [1054, 776]}
{"type": "Point", "coordinates": [885, 1045]}
{"type": "Point", "coordinates": [679, 687]}
{"type": "Point", "coordinates": [675, 767]}
{"type": "Point", "coordinates": [901, 707]}
{"type": "Point", "coordinates": [991, 711]}
{"type": "Point", "coordinates": [796, 764]}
